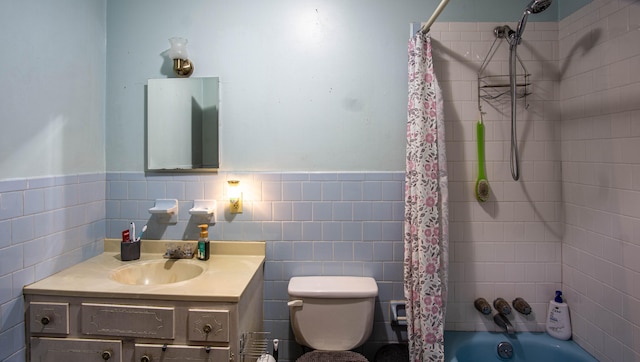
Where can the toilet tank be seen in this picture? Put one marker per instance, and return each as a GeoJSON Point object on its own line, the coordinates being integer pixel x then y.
{"type": "Point", "coordinates": [332, 313]}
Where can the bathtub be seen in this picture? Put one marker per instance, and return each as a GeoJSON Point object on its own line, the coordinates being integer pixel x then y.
{"type": "Point", "coordinates": [524, 347]}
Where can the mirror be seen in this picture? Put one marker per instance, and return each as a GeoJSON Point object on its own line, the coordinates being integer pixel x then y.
{"type": "Point", "coordinates": [182, 124]}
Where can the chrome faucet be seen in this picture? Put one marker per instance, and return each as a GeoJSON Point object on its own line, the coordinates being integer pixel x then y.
{"type": "Point", "coordinates": [178, 251]}
{"type": "Point", "coordinates": [502, 321]}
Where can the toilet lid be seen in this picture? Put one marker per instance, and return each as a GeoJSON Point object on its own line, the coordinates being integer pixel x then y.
{"type": "Point", "coordinates": [332, 287]}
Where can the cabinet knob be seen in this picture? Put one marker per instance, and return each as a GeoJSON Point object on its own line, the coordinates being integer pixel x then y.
{"type": "Point", "coordinates": [106, 355]}
{"type": "Point", "coordinates": [45, 320]}
{"type": "Point", "coordinates": [207, 328]}
{"type": "Point", "coordinates": [145, 358]}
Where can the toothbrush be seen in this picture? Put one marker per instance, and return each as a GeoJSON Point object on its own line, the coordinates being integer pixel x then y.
{"type": "Point", "coordinates": [144, 228]}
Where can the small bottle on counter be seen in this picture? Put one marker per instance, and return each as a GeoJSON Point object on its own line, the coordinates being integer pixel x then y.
{"type": "Point", "coordinates": [203, 243]}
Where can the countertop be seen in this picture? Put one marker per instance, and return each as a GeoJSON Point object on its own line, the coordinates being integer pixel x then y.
{"type": "Point", "coordinates": [226, 274]}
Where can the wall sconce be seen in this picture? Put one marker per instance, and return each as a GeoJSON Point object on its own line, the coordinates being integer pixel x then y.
{"type": "Point", "coordinates": [182, 66]}
{"type": "Point", "coordinates": [235, 197]}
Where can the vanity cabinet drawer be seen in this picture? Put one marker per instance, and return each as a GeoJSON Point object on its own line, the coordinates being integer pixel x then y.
{"type": "Point", "coordinates": [179, 353]}
{"type": "Point", "coordinates": [208, 325]}
{"type": "Point", "coordinates": [75, 350]}
{"type": "Point", "coordinates": [49, 318]}
{"type": "Point", "coordinates": [127, 321]}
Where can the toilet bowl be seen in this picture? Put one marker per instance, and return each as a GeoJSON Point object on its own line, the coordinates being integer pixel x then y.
{"type": "Point", "coordinates": [332, 313]}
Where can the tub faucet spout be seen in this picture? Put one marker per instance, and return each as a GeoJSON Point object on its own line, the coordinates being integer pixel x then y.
{"type": "Point", "coordinates": [502, 321]}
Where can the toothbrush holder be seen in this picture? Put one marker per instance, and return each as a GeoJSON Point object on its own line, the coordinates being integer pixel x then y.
{"type": "Point", "coordinates": [129, 250]}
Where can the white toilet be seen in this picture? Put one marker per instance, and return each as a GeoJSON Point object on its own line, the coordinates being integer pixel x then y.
{"type": "Point", "coordinates": [332, 313]}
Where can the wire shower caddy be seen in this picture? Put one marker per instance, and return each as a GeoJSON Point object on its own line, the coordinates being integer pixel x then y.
{"type": "Point", "coordinates": [491, 88]}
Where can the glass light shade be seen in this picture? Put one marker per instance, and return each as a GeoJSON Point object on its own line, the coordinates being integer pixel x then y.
{"type": "Point", "coordinates": [178, 48]}
{"type": "Point", "coordinates": [234, 191]}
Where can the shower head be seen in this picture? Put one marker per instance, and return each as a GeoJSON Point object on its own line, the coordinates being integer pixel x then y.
{"type": "Point", "coordinates": [538, 6]}
{"type": "Point", "coordinates": [534, 7]}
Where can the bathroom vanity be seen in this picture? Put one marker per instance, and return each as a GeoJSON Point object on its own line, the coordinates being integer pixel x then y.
{"type": "Point", "coordinates": [151, 309]}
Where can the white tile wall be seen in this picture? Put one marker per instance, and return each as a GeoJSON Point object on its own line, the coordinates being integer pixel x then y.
{"type": "Point", "coordinates": [46, 225]}
{"type": "Point", "coordinates": [509, 246]}
{"type": "Point", "coordinates": [600, 97]}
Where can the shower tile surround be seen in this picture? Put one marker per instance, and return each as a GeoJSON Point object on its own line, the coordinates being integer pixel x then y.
{"type": "Point", "coordinates": [600, 97]}
{"type": "Point", "coordinates": [509, 246]}
{"type": "Point", "coordinates": [571, 222]}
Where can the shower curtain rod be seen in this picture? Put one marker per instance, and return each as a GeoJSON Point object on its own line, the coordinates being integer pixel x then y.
{"type": "Point", "coordinates": [426, 27]}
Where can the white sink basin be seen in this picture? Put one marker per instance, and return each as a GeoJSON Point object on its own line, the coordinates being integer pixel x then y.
{"type": "Point", "coordinates": [157, 272]}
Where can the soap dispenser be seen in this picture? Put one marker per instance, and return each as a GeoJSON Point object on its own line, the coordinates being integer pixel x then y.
{"type": "Point", "coordinates": [203, 242]}
{"type": "Point", "coordinates": [558, 319]}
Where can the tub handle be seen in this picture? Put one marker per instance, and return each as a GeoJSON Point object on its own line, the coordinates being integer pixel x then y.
{"type": "Point", "coordinates": [295, 303]}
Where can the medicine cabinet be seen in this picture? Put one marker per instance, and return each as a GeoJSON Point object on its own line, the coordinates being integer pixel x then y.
{"type": "Point", "coordinates": [182, 125]}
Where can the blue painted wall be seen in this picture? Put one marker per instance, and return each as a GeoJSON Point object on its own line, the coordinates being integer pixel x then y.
{"type": "Point", "coordinates": [301, 82]}
{"type": "Point", "coordinates": [53, 87]}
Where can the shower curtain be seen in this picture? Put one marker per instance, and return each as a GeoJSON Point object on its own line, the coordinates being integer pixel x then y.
{"type": "Point", "coordinates": [426, 208]}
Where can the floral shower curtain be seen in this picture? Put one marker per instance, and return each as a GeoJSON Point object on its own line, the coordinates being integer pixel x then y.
{"type": "Point", "coordinates": [426, 208]}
